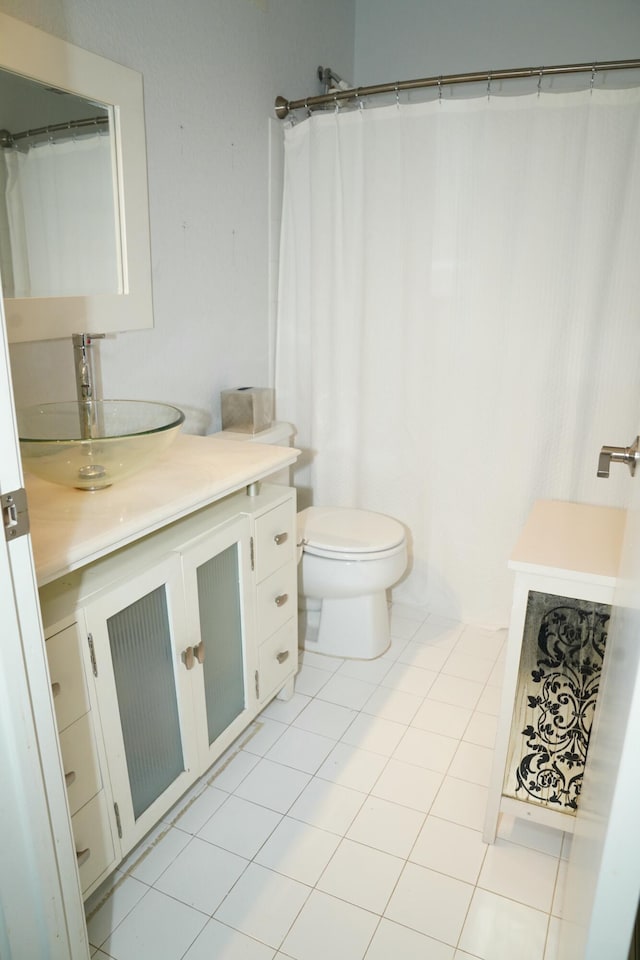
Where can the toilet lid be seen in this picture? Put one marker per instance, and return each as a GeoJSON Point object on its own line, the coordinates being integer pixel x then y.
{"type": "Point", "coordinates": [345, 530]}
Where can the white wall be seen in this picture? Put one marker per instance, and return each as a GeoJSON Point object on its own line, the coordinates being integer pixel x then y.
{"type": "Point", "coordinates": [211, 73]}
{"type": "Point", "coordinates": [424, 38]}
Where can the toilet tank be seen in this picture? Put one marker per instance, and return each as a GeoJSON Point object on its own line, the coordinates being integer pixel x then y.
{"type": "Point", "coordinates": [279, 434]}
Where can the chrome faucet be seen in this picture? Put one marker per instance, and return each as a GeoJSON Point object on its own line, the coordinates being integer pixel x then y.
{"type": "Point", "coordinates": [85, 380]}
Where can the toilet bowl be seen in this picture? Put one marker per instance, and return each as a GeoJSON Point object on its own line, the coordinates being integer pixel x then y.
{"type": "Point", "coordinates": [349, 560]}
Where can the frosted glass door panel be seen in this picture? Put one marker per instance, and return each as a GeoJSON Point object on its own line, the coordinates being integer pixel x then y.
{"type": "Point", "coordinates": [142, 657]}
{"type": "Point", "coordinates": [219, 602]}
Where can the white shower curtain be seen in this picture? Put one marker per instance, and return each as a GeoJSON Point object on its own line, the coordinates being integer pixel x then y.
{"type": "Point", "coordinates": [459, 320]}
{"type": "Point", "coordinates": [61, 216]}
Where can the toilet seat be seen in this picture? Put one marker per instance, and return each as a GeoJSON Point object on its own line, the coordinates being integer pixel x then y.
{"type": "Point", "coordinates": [344, 533]}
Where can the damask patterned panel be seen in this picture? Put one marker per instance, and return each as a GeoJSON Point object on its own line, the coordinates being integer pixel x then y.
{"type": "Point", "coordinates": [560, 665]}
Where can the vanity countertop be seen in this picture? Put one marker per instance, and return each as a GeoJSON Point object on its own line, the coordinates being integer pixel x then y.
{"type": "Point", "coordinates": [71, 528]}
{"type": "Point", "coordinates": [573, 541]}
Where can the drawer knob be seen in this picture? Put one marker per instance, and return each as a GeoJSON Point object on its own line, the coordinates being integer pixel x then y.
{"type": "Point", "coordinates": [70, 777]}
{"type": "Point", "coordinates": [281, 538]}
{"type": "Point", "coordinates": [199, 652]}
{"type": "Point", "coordinates": [188, 658]}
{"type": "Point", "coordinates": [83, 855]}
{"type": "Point", "coordinates": [282, 599]}
{"type": "Point", "coordinates": [55, 689]}
{"type": "Point", "coordinates": [282, 656]}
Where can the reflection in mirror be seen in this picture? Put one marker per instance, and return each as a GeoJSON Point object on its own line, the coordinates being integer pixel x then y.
{"type": "Point", "coordinates": [112, 289]}
{"type": "Point", "coordinates": [58, 231]}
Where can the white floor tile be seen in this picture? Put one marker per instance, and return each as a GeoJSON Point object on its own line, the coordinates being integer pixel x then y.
{"type": "Point", "coordinates": [496, 677]}
{"type": "Point", "coordinates": [351, 767]}
{"type": "Point", "coordinates": [500, 929]}
{"type": "Point", "coordinates": [125, 894]}
{"type": "Point", "coordinates": [301, 749]}
{"type": "Point", "coordinates": [371, 671]}
{"type": "Point", "coordinates": [456, 691]}
{"type": "Point", "coordinates": [262, 734]}
{"type": "Point", "coordinates": [519, 873]}
{"type": "Point", "coordinates": [202, 875]}
{"type": "Point", "coordinates": [487, 644]}
{"type": "Point", "coordinates": [482, 729]}
{"type": "Point", "coordinates": [439, 632]}
{"type": "Point", "coordinates": [394, 942]}
{"type": "Point", "coordinates": [193, 816]}
{"type": "Point", "coordinates": [529, 834]}
{"type": "Point", "coordinates": [402, 627]}
{"type": "Point", "coordinates": [386, 826]}
{"type": "Point", "coordinates": [273, 785]}
{"type": "Point", "coordinates": [327, 927]}
{"type": "Point", "coordinates": [558, 894]}
{"type": "Point", "coordinates": [263, 904]}
{"type": "Point", "coordinates": [430, 903]}
{"type": "Point", "coordinates": [449, 848]}
{"type": "Point", "coordinates": [327, 806]}
{"type": "Point", "coordinates": [394, 650]}
{"type": "Point", "coordinates": [361, 875]}
{"type": "Point", "coordinates": [158, 927]}
{"type": "Point", "coordinates": [232, 768]}
{"type": "Point", "coordinates": [308, 658]}
{"type": "Point", "coordinates": [395, 705]}
{"type": "Point", "coordinates": [443, 718]}
{"type": "Point", "coordinates": [426, 749]}
{"type": "Point", "coordinates": [406, 784]}
{"type": "Point", "coordinates": [309, 680]}
{"type": "Point", "coordinates": [473, 763]}
{"type": "Point", "coordinates": [240, 826]}
{"type": "Point", "coordinates": [552, 946]}
{"type": "Point", "coordinates": [286, 710]}
{"type": "Point", "coordinates": [327, 719]}
{"type": "Point", "coordinates": [223, 943]}
{"type": "Point", "coordinates": [410, 679]}
{"type": "Point", "coordinates": [346, 691]}
{"type": "Point", "coordinates": [157, 854]}
{"type": "Point", "coordinates": [375, 734]}
{"type": "Point", "coordinates": [298, 850]}
{"type": "Point", "coordinates": [467, 667]}
{"type": "Point", "coordinates": [461, 802]}
{"type": "Point", "coordinates": [422, 655]}
{"type": "Point", "coordinates": [490, 700]}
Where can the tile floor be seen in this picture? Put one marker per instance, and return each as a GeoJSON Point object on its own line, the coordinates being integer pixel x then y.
{"type": "Point", "coordinates": [346, 824]}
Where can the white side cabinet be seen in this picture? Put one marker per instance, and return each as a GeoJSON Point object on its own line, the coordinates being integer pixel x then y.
{"type": "Point", "coordinates": [176, 643]}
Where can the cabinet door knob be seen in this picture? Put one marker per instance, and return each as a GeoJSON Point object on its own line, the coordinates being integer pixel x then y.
{"type": "Point", "coordinates": [188, 658]}
{"type": "Point", "coordinates": [70, 777]}
{"type": "Point", "coordinates": [199, 652]}
{"type": "Point", "coordinates": [281, 599]}
{"type": "Point", "coordinates": [281, 538]}
{"type": "Point", "coordinates": [55, 689]}
{"type": "Point", "coordinates": [282, 656]}
{"type": "Point", "coordinates": [83, 855]}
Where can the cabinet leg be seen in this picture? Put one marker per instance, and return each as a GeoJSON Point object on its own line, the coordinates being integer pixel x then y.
{"type": "Point", "coordinates": [287, 691]}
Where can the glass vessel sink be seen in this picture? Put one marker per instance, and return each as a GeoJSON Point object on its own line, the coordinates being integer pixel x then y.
{"type": "Point", "coordinates": [94, 443]}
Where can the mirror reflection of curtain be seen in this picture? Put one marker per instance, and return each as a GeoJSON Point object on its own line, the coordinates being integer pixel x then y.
{"type": "Point", "coordinates": [60, 208]}
{"type": "Point", "coordinates": [459, 320]}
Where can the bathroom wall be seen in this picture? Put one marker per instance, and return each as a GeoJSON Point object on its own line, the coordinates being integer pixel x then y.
{"type": "Point", "coordinates": [422, 38]}
{"type": "Point", "coordinates": [211, 73]}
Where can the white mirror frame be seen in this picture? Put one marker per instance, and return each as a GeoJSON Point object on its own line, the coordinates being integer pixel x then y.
{"type": "Point", "coordinates": [47, 59]}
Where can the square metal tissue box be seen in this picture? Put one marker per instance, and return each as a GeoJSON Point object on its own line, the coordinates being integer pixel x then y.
{"type": "Point", "coordinates": [247, 409]}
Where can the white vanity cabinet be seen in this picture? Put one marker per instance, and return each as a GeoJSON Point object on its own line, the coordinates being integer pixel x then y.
{"type": "Point", "coordinates": [188, 633]}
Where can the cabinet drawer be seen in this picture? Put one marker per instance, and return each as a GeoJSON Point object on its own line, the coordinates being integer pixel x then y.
{"type": "Point", "coordinates": [70, 696]}
{"type": "Point", "coordinates": [276, 601]}
{"type": "Point", "coordinates": [80, 762]}
{"type": "Point", "coordinates": [93, 840]}
{"type": "Point", "coordinates": [278, 658]}
{"type": "Point", "coordinates": [275, 539]}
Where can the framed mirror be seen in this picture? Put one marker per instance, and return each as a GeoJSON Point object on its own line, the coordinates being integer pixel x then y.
{"type": "Point", "coordinates": [74, 228]}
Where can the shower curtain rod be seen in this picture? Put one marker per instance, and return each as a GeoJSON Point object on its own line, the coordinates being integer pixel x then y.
{"type": "Point", "coordinates": [283, 106]}
{"type": "Point", "coordinates": [8, 139]}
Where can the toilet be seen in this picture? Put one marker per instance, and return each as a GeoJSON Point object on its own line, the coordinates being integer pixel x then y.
{"type": "Point", "coordinates": [349, 559]}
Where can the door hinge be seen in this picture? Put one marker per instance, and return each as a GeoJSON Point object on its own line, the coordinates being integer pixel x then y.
{"type": "Point", "coordinates": [92, 654]}
{"type": "Point", "coordinates": [118, 823]}
{"type": "Point", "coordinates": [15, 514]}
{"type": "Point", "coordinates": [252, 553]}
{"type": "Point", "coordinates": [257, 678]}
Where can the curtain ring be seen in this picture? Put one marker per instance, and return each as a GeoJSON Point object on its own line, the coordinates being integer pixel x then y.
{"type": "Point", "coordinates": [397, 95]}
{"type": "Point", "coordinates": [540, 80]}
{"type": "Point", "coordinates": [593, 78]}
{"type": "Point", "coordinates": [440, 89]}
{"type": "Point", "coordinates": [488, 86]}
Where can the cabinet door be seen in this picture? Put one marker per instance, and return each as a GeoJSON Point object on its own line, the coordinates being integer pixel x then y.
{"type": "Point", "coordinates": [217, 580]}
{"type": "Point", "coordinates": [138, 628]}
